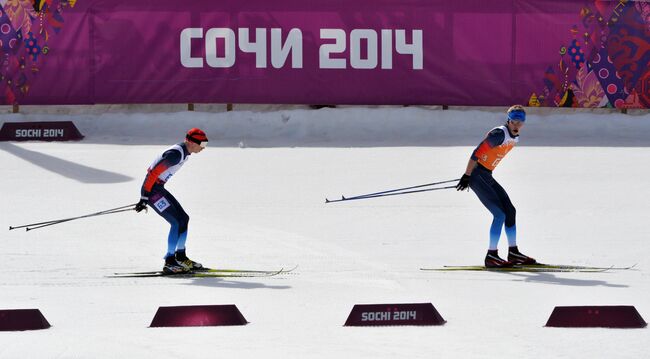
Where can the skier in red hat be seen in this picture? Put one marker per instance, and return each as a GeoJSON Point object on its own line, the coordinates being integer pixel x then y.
{"type": "Point", "coordinates": [154, 194]}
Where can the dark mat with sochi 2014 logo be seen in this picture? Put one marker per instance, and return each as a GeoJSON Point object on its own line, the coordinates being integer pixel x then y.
{"type": "Point", "coordinates": [394, 314]}
{"type": "Point", "coordinates": [40, 131]}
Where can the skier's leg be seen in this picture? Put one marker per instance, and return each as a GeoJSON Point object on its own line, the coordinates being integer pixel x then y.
{"type": "Point", "coordinates": [178, 248]}
{"type": "Point", "coordinates": [510, 214]}
{"type": "Point", "coordinates": [514, 255]}
{"type": "Point", "coordinates": [183, 220]}
{"type": "Point", "coordinates": [480, 183]}
{"type": "Point", "coordinates": [167, 207]}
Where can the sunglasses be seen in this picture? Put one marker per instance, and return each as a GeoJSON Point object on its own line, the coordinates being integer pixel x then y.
{"type": "Point", "coordinates": [203, 144]}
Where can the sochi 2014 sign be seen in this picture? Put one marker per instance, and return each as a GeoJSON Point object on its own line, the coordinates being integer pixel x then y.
{"type": "Point", "coordinates": [367, 48]}
{"type": "Point", "coordinates": [366, 52]}
{"type": "Point", "coordinates": [40, 131]}
{"type": "Point", "coordinates": [363, 315]}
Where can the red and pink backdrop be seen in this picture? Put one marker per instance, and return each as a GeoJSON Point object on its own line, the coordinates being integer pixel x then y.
{"type": "Point", "coordinates": [498, 52]}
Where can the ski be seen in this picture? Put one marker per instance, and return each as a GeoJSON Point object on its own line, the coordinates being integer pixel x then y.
{"type": "Point", "coordinates": [202, 274]}
{"type": "Point", "coordinates": [212, 270]}
{"type": "Point", "coordinates": [545, 266]}
{"type": "Point", "coordinates": [530, 269]}
{"type": "Point", "coordinates": [569, 266]}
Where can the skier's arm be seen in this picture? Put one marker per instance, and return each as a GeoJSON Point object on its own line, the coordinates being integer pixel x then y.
{"type": "Point", "coordinates": [463, 184]}
{"type": "Point", "coordinates": [471, 164]}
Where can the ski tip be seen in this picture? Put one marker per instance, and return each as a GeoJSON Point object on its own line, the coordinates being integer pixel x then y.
{"type": "Point", "coordinates": [10, 227]}
{"type": "Point", "coordinates": [327, 200]}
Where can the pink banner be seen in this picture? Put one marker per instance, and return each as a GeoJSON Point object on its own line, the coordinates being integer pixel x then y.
{"type": "Point", "coordinates": [540, 53]}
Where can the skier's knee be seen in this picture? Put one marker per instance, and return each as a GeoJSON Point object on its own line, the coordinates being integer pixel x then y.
{"type": "Point", "coordinates": [174, 225]}
{"type": "Point", "coordinates": [183, 223]}
{"type": "Point", "coordinates": [499, 216]}
{"type": "Point", "coordinates": [511, 213]}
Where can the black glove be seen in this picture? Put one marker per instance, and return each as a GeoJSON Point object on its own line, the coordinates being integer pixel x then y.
{"type": "Point", "coordinates": [141, 205]}
{"type": "Point", "coordinates": [463, 184]}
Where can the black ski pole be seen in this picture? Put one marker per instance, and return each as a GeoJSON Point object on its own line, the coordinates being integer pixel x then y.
{"type": "Point", "coordinates": [343, 198]}
{"type": "Point", "coordinates": [388, 194]}
{"type": "Point", "coordinates": [57, 221]}
{"type": "Point", "coordinates": [70, 219]}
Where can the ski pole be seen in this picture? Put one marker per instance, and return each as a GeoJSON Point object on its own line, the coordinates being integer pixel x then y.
{"type": "Point", "coordinates": [388, 194]}
{"type": "Point", "coordinates": [371, 195]}
{"type": "Point", "coordinates": [70, 219]}
{"type": "Point", "coordinates": [65, 219]}
{"type": "Point", "coordinates": [57, 221]}
{"type": "Point", "coordinates": [51, 223]}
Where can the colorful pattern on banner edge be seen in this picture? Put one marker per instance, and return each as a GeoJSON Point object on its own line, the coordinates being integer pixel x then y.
{"type": "Point", "coordinates": [25, 28]}
{"type": "Point", "coordinates": [611, 53]}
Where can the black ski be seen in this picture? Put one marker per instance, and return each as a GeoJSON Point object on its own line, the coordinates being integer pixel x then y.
{"type": "Point", "coordinates": [530, 268]}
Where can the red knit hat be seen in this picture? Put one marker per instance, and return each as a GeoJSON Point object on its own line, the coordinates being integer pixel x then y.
{"type": "Point", "coordinates": [196, 135]}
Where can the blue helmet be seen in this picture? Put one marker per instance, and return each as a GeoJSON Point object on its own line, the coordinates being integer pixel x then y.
{"type": "Point", "coordinates": [517, 113]}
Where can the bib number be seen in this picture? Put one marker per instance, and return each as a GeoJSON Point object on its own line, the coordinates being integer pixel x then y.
{"type": "Point", "coordinates": [161, 204]}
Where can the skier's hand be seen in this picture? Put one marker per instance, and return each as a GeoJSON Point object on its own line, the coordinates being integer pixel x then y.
{"type": "Point", "coordinates": [463, 184]}
{"type": "Point", "coordinates": [141, 205]}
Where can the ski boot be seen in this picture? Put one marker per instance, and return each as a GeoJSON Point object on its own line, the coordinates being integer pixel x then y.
{"type": "Point", "coordinates": [173, 267]}
{"type": "Point", "coordinates": [181, 257]}
{"type": "Point", "coordinates": [492, 260]}
{"type": "Point", "coordinates": [519, 258]}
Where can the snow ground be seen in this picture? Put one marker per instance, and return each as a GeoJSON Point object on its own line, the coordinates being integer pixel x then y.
{"type": "Point", "coordinates": [256, 200]}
